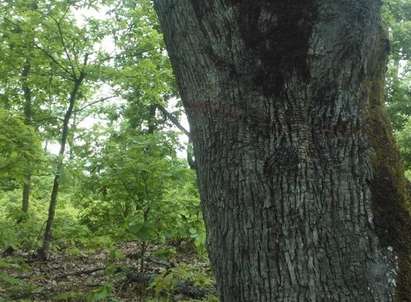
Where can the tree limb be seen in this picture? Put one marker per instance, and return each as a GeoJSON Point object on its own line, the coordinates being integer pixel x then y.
{"type": "Point", "coordinates": [55, 61]}
{"type": "Point", "coordinates": [76, 273]}
{"type": "Point", "coordinates": [95, 102]}
{"type": "Point", "coordinates": [174, 120]}
{"type": "Point", "coordinates": [63, 43]}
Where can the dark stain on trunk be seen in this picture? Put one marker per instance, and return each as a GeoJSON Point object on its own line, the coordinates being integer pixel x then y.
{"type": "Point", "coordinates": [277, 34]}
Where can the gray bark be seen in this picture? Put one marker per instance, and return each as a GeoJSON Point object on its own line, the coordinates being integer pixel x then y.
{"type": "Point", "coordinates": [279, 95]}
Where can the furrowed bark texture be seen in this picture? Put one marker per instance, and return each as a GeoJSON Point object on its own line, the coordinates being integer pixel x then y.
{"type": "Point", "coordinates": [300, 180]}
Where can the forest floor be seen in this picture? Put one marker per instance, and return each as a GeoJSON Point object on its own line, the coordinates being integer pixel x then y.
{"type": "Point", "coordinates": [168, 274]}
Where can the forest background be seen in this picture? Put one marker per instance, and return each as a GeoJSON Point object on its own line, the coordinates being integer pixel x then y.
{"type": "Point", "coordinates": [98, 196]}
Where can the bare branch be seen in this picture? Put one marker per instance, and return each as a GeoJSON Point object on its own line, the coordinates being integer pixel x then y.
{"type": "Point", "coordinates": [95, 102]}
{"type": "Point", "coordinates": [174, 120]}
{"type": "Point", "coordinates": [85, 60]}
{"type": "Point", "coordinates": [63, 43]}
{"type": "Point", "coordinates": [55, 61]}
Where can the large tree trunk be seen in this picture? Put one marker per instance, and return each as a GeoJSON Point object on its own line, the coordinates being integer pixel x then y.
{"type": "Point", "coordinates": [301, 184]}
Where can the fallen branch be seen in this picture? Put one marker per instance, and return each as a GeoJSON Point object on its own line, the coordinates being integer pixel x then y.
{"type": "Point", "coordinates": [138, 277]}
{"type": "Point", "coordinates": [189, 290]}
{"type": "Point", "coordinates": [83, 272]}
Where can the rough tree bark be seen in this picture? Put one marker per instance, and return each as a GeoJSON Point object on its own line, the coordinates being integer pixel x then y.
{"type": "Point", "coordinates": [301, 183]}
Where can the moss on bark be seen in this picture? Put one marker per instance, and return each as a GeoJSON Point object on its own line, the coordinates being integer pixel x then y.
{"type": "Point", "coordinates": [389, 187]}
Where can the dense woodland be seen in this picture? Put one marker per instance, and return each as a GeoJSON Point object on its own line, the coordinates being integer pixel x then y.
{"type": "Point", "coordinates": [98, 189]}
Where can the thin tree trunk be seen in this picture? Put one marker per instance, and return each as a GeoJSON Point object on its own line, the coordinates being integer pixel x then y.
{"type": "Point", "coordinates": [300, 180]}
{"type": "Point", "coordinates": [71, 137]}
{"type": "Point", "coordinates": [26, 193]}
{"type": "Point", "coordinates": [43, 251]}
{"type": "Point", "coordinates": [28, 117]}
{"type": "Point", "coordinates": [46, 146]}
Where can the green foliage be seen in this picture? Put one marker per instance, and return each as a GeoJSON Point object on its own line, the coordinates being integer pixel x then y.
{"type": "Point", "coordinates": [11, 287]}
{"type": "Point", "coordinates": [397, 16]}
{"type": "Point", "coordinates": [404, 141]}
{"type": "Point", "coordinates": [398, 91]}
{"type": "Point", "coordinates": [14, 288]}
{"type": "Point", "coordinates": [16, 264]}
{"type": "Point", "coordinates": [183, 202]}
{"type": "Point", "coordinates": [122, 179]}
{"type": "Point", "coordinates": [140, 190]}
{"type": "Point", "coordinates": [165, 284]}
{"type": "Point", "coordinates": [23, 235]}
{"type": "Point", "coordinates": [101, 294]}
{"type": "Point", "coordinates": [20, 148]}
{"type": "Point", "coordinates": [143, 69]}
{"type": "Point", "coordinates": [26, 234]}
